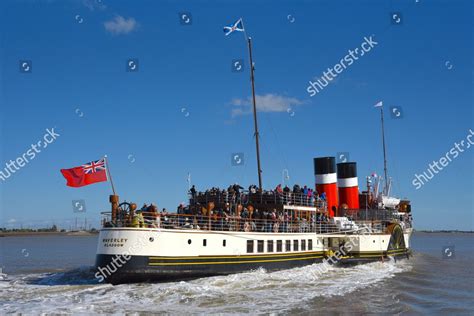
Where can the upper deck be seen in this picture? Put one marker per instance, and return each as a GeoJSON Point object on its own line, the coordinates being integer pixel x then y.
{"type": "Point", "coordinates": [263, 200]}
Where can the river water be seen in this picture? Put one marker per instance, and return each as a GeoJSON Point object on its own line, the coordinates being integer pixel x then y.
{"type": "Point", "coordinates": [53, 274]}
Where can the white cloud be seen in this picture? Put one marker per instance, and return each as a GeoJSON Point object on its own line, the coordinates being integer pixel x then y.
{"type": "Point", "coordinates": [94, 4]}
{"type": "Point", "coordinates": [119, 25]}
{"type": "Point", "coordinates": [265, 103]}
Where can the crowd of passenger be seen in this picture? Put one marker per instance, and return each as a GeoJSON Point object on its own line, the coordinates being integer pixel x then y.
{"type": "Point", "coordinates": [298, 195]}
{"type": "Point", "coordinates": [232, 213]}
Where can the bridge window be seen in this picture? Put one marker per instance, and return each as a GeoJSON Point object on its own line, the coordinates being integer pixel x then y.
{"type": "Point", "coordinates": [295, 245]}
{"type": "Point", "coordinates": [303, 244]}
{"type": "Point", "coordinates": [287, 245]}
{"type": "Point", "coordinates": [259, 245]}
{"type": "Point", "coordinates": [310, 244]}
{"type": "Point", "coordinates": [224, 243]}
{"type": "Point", "coordinates": [270, 246]}
{"type": "Point", "coordinates": [249, 246]}
{"type": "Point", "coordinates": [279, 246]}
{"type": "Point", "coordinates": [204, 242]}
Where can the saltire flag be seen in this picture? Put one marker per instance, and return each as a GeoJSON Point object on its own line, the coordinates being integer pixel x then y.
{"type": "Point", "coordinates": [89, 173]}
{"type": "Point", "coordinates": [379, 104]}
{"type": "Point", "coordinates": [238, 26]}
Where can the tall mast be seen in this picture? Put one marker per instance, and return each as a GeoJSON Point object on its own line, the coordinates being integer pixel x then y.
{"type": "Point", "coordinates": [384, 153]}
{"type": "Point", "coordinates": [252, 78]}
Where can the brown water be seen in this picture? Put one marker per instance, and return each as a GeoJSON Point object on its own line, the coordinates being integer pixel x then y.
{"type": "Point", "coordinates": [53, 274]}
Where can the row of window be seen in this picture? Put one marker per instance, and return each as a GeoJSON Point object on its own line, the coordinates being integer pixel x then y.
{"type": "Point", "coordinates": [204, 242]}
{"type": "Point", "coordinates": [279, 245]}
{"type": "Point", "coordinates": [271, 245]}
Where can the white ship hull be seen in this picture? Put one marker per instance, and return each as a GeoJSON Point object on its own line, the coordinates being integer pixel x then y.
{"type": "Point", "coordinates": [147, 254]}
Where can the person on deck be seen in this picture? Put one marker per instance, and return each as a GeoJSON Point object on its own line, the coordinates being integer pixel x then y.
{"type": "Point", "coordinates": [286, 192]}
{"type": "Point", "coordinates": [305, 194]}
{"type": "Point", "coordinates": [193, 192]}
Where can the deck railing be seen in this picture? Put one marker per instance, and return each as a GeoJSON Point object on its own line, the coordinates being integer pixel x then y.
{"type": "Point", "coordinates": [308, 224]}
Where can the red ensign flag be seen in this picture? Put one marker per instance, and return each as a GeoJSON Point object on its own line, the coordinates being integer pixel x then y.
{"type": "Point", "coordinates": [92, 172]}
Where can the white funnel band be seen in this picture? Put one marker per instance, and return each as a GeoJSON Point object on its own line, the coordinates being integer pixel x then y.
{"type": "Point", "coordinates": [326, 178]}
{"type": "Point", "coordinates": [347, 182]}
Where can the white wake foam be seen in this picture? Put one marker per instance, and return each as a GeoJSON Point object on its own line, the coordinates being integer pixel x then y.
{"type": "Point", "coordinates": [252, 292]}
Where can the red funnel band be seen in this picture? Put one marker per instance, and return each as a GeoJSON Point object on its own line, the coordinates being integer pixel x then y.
{"type": "Point", "coordinates": [331, 196]}
{"type": "Point", "coordinates": [350, 197]}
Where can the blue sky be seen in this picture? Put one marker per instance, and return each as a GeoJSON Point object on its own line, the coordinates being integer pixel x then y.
{"type": "Point", "coordinates": [174, 115]}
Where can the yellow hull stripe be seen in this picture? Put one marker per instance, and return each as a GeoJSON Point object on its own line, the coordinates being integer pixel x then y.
{"type": "Point", "coordinates": [303, 256]}
{"type": "Point", "coordinates": [232, 262]}
{"type": "Point", "coordinates": [241, 256]}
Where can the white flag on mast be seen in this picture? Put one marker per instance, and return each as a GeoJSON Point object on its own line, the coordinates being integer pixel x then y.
{"type": "Point", "coordinates": [237, 26]}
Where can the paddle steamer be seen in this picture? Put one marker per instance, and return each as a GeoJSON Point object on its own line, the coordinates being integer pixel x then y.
{"type": "Point", "coordinates": [224, 232]}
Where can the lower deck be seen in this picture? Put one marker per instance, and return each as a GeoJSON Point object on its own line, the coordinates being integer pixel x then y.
{"type": "Point", "coordinates": [133, 255]}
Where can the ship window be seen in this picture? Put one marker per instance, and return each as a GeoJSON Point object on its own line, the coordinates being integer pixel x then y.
{"type": "Point", "coordinates": [279, 246]}
{"type": "Point", "coordinates": [374, 240]}
{"type": "Point", "coordinates": [259, 245]}
{"type": "Point", "coordinates": [287, 245]}
{"type": "Point", "coordinates": [189, 241]}
{"type": "Point", "coordinates": [303, 244]}
{"type": "Point", "coordinates": [204, 242]}
{"type": "Point", "coordinates": [270, 246]}
{"type": "Point", "coordinates": [223, 243]}
{"type": "Point", "coordinates": [295, 245]}
{"type": "Point", "coordinates": [249, 246]}
{"type": "Point", "coordinates": [310, 244]}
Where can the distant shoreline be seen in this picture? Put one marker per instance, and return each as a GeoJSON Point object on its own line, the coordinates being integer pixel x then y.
{"type": "Point", "coordinates": [68, 234]}
{"type": "Point", "coordinates": [445, 231]}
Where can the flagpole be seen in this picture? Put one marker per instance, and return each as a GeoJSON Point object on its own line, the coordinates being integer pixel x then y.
{"type": "Point", "coordinates": [108, 173]}
{"type": "Point", "coordinates": [252, 78]}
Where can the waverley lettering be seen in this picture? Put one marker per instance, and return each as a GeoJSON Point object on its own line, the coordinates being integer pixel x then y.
{"type": "Point", "coordinates": [13, 166]}
{"type": "Point", "coordinates": [351, 56]}
{"type": "Point", "coordinates": [119, 260]}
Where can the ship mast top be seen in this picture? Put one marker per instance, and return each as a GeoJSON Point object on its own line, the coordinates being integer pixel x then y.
{"type": "Point", "coordinates": [386, 188]}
